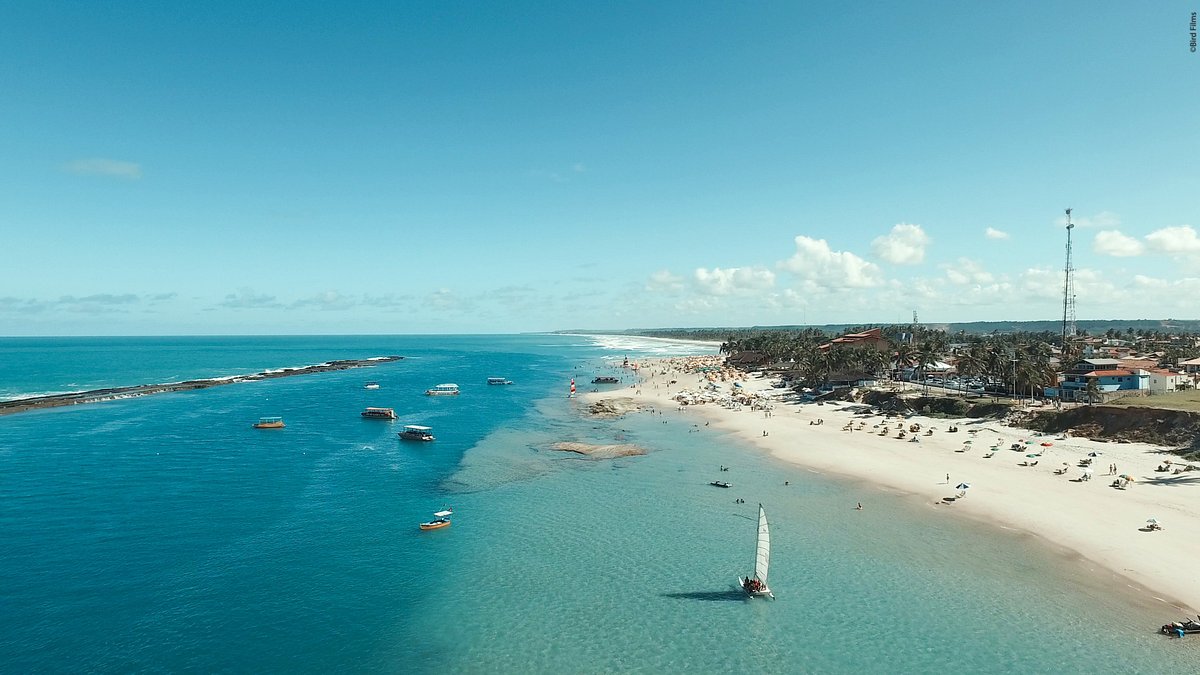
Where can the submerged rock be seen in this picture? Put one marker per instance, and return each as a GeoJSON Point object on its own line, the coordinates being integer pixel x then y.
{"type": "Point", "coordinates": [613, 407]}
{"type": "Point", "coordinates": [599, 451]}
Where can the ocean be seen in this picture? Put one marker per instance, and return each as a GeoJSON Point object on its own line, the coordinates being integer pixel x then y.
{"type": "Point", "coordinates": [164, 534]}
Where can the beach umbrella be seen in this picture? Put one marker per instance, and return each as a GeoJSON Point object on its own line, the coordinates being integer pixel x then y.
{"type": "Point", "coordinates": [1152, 521]}
{"type": "Point", "coordinates": [1127, 477]}
{"type": "Point", "coordinates": [1094, 454]}
{"type": "Point", "coordinates": [1047, 444]}
{"type": "Point", "coordinates": [962, 486]}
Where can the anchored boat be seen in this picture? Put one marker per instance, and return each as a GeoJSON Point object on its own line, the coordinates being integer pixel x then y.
{"type": "Point", "coordinates": [756, 586]}
{"type": "Point", "coordinates": [379, 414]}
{"type": "Point", "coordinates": [269, 423]}
{"type": "Point", "coordinates": [443, 390]}
{"type": "Point", "coordinates": [440, 519]}
{"type": "Point", "coordinates": [416, 432]}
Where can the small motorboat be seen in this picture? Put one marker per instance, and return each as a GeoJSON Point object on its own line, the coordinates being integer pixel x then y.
{"type": "Point", "coordinates": [371, 385]}
{"type": "Point", "coordinates": [440, 519]}
{"type": "Point", "coordinates": [720, 484]}
{"type": "Point", "coordinates": [379, 414]}
{"type": "Point", "coordinates": [604, 379]}
{"type": "Point", "coordinates": [269, 423]}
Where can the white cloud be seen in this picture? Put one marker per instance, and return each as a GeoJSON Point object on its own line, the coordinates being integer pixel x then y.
{"type": "Point", "coordinates": [1042, 284]}
{"type": "Point", "coordinates": [246, 298]}
{"type": "Point", "coordinates": [1112, 242]}
{"type": "Point", "coordinates": [993, 233]}
{"type": "Point", "coordinates": [966, 271]}
{"type": "Point", "coordinates": [1174, 241]}
{"type": "Point", "coordinates": [822, 268]}
{"type": "Point", "coordinates": [904, 245]}
{"type": "Point", "coordinates": [663, 280]}
{"type": "Point", "coordinates": [1102, 219]}
{"type": "Point", "coordinates": [104, 167]}
{"type": "Point", "coordinates": [327, 300]}
{"type": "Point", "coordinates": [444, 298]}
{"type": "Point", "coordinates": [719, 281]}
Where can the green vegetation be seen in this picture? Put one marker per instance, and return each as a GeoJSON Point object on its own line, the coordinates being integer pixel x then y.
{"type": "Point", "coordinates": [1179, 400]}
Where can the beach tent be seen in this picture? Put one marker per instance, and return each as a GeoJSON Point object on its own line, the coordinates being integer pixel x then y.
{"type": "Point", "coordinates": [962, 486]}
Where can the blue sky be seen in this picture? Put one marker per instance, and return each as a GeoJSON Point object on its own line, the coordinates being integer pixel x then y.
{"type": "Point", "coordinates": [438, 167]}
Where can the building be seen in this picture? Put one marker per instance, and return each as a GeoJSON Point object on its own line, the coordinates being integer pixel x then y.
{"type": "Point", "coordinates": [872, 339]}
{"type": "Point", "coordinates": [1190, 366]}
{"type": "Point", "coordinates": [1109, 380]}
{"type": "Point", "coordinates": [1165, 381]}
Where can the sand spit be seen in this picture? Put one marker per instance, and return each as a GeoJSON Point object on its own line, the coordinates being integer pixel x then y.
{"type": "Point", "coordinates": [115, 393]}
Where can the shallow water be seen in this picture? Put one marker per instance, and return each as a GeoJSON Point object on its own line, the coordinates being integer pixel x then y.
{"type": "Point", "coordinates": [163, 533]}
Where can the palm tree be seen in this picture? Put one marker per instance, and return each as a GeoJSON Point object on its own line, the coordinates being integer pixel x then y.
{"type": "Point", "coordinates": [927, 355]}
{"type": "Point", "coordinates": [905, 357]}
{"type": "Point", "coordinates": [1093, 390]}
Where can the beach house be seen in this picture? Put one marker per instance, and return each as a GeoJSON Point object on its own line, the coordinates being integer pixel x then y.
{"type": "Point", "coordinates": [1190, 366]}
{"type": "Point", "coordinates": [1108, 377]}
{"type": "Point", "coordinates": [1163, 381]}
{"type": "Point", "coordinates": [872, 339]}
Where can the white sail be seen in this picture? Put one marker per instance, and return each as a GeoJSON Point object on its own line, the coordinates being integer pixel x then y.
{"type": "Point", "coordinates": [762, 555]}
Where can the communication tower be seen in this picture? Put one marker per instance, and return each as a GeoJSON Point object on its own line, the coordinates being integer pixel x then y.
{"type": "Point", "coordinates": [1068, 325]}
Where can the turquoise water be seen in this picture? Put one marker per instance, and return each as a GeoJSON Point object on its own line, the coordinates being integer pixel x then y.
{"type": "Point", "coordinates": [163, 533]}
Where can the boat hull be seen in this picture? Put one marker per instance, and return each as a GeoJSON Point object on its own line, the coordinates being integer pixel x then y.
{"type": "Point", "coordinates": [764, 593]}
{"type": "Point", "coordinates": [435, 525]}
{"type": "Point", "coordinates": [271, 425]}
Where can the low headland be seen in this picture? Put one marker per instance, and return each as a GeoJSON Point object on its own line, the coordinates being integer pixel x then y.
{"type": "Point", "coordinates": [1093, 499]}
{"type": "Point", "coordinates": [113, 393]}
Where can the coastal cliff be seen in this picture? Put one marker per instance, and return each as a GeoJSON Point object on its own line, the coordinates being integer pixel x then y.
{"type": "Point", "coordinates": [1176, 428]}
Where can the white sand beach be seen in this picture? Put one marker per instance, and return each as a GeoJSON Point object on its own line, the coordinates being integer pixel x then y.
{"type": "Point", "coordinates": [1102, 524]}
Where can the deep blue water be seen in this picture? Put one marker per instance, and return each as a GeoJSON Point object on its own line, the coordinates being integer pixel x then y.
{"type": "Point", "coordinates": [164, 534]}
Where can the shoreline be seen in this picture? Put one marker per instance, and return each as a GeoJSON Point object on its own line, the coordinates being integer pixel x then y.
{"type": "Point", "coordinates": [1088, 520]}
{"type": "Point", "coordinates": [20, 405]}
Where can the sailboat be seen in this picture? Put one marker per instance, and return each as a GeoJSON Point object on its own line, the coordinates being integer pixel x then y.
{"type": "Point", "coordinates": [756, 586]}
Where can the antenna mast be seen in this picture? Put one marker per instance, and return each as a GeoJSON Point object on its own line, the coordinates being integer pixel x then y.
{"type": "Point", "coordinates": [1068, 326]}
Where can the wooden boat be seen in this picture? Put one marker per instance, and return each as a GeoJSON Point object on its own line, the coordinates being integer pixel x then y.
{"type": "Point", "coordinates": [756, 586]}
{"type": "Point", "coordinates": [443, 390]}
{"type": "Point", "coordinates": [440, 519]}
{"type": "Point", "coordinates": [269, 423]}
{"type": "Point", "coordinates": [416, 432]}
{"type": "Point", "coordinates": [379, 414]}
